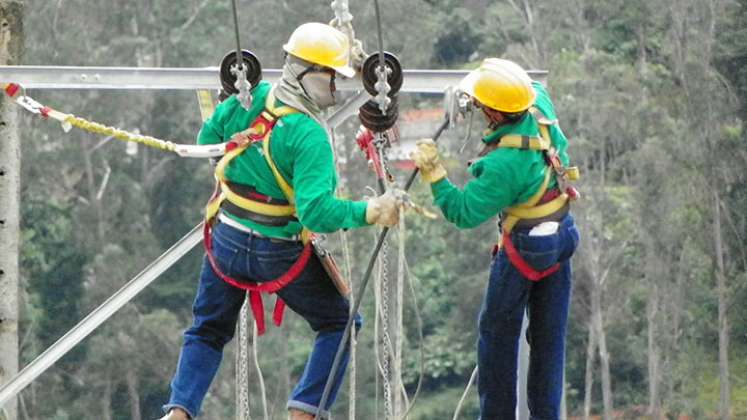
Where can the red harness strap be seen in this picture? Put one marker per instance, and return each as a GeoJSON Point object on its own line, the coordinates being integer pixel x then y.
{"type": "Point", "coordinates": [515, 258]}
{"type": "Point", "coordinates": [254, 289]}
{"type": "Point", "coordinates": [524, 268]}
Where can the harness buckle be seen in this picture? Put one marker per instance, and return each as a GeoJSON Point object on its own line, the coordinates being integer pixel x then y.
{"type": "Point", "coordinates": [318, 240]}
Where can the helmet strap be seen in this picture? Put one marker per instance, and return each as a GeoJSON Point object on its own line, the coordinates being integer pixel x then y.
{"type": "Point", "coordinates": [495, 118]}
{"type": "Point", "coordinates": [499, 118]}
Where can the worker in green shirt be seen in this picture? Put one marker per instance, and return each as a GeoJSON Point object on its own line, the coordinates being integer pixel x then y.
{"type": "Point", "coordinates": [521, 174]}
{"type": "Point", "coordinates": [276, 184]}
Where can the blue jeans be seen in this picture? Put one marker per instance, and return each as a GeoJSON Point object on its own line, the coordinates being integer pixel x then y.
{"type": "Point", "coordinates": [216, 309]}
{"type": "Point", "coordinates": [508, 296]}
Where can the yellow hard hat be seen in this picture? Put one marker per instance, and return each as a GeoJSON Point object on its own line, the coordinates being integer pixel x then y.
{"type": "Point", "coordinates": [322, 45]}
{"type": "Point", "coordinates": [501, 85]}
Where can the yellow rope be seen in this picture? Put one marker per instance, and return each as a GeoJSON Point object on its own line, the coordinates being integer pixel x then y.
{"type": "Point", "coordinates": [118, 134]}
{"type": "Point", "coordinates": [69, 120]}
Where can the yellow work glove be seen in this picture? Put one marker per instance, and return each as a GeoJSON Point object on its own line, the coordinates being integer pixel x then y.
{"type": "Point", "coordinates": [384, 210]}
{"type": "Point", "coordinates": [426, 159]}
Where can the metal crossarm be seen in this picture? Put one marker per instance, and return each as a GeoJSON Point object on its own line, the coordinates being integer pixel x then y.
{"type": "Point", "coordinates": [132, 78]}
{"type": "Point", "coordinates": [58, 77]}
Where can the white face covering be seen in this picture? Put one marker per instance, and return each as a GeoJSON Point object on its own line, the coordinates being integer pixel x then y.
{"type": "Point", "coordinates": [310, 94]}
{"type": "Point", "coordinates": [320, 86]}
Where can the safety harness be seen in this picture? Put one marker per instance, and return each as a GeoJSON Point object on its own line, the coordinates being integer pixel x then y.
{"type": "Point", "coordinates": [544, 205]}
{"type": "Point", "coordinates": [248, 203]}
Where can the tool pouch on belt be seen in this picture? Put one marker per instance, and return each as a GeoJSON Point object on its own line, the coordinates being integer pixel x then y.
{"type": "Point", "coordinates": [330, 266]}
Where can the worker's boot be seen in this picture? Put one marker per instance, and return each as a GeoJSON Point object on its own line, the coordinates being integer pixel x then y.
{"type": "Point", "coordinates": [176, 413]}
{"type": "Point", "coordinates": [299, 415]}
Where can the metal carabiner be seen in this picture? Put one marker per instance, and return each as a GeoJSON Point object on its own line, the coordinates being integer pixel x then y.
{"type": "Point", "coordinates": [242, 85]}
{"type": "Point", "coordinates": [469, 130]}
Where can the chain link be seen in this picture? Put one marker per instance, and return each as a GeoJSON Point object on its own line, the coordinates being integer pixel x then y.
{"type": "Point", "coordinates": [386, 341]}
{"type": "Point", "coordinates": [344, 22]}
{"type": "Point", "coordinates": [387, 349]}
{"type": "Point", "coordinates": [242, 376]}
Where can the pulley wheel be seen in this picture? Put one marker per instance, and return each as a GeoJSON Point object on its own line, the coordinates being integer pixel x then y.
{"type": "Point", "coordinates": [371, 117]}
{"type": "Point", "coordinates": [228, 78]}
{"type": "Point", "coordinates": [394, 78]}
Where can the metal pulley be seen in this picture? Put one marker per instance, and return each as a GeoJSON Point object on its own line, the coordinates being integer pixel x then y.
{"type": "Point", "coordinates": [393, 69]}
{"type": "Point", "coordinates": [384, 89]}
{"type": "Point", "coordinates": [372, 118]}
{"type": "Point", "coordinates": [228, 71]}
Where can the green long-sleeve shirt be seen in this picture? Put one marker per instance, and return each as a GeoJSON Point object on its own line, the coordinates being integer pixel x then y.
{"type": "Point", "coordinates": [303, 155]}
{"type": "Point", "coordinates": [504, 177]}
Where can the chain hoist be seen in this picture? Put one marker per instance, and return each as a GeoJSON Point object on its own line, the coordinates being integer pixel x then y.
{"type": "Point", "coordinates": [242, 366]}
{"type": "Point", "coordinates": [376, 117]}
{"type": "Point", "coordinates": [383, 82]}
{"type": "Point", "coordinates": [344, 22]}
{"type": "Point", "coordinates": [386, 341]}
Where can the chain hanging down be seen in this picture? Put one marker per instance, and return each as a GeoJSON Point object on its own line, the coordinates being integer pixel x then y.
{"type": "Point", "coordinates": [390, 314]}
{"type": "Point", "coordinates": [242, 366]}
{"type": "Point", "coordinates": [386, 342]}
{"type": "Point", "coordinates": [376, 117]}
{"type": "Point", "coordinates": [344, 22]}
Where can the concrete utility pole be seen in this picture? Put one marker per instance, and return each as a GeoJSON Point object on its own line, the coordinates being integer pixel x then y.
{"type": "Point", "coordinates": [11, 47]}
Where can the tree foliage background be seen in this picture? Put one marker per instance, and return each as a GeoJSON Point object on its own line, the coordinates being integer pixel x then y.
{"type": "Point", "coordinates": [651, 94]}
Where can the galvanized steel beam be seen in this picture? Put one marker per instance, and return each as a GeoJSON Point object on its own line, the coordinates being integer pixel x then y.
{"type": "Point", "coordinates": [58, 77]}
{"type": "Point", "coordinates": [100, 314]}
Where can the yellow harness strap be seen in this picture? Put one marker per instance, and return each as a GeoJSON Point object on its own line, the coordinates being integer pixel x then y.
{"type": "Point", "coordinates": [290, 195]}
{"type": "Point", "coordinates": [205, 100]}
{"type": "Point", "coordinates": [513, 141]}
{"type": "Point", "coordinates": [543, 142]}
{"type": "Point", "coordinates": [529, 209]}
{"type": "Point", "coordinates": [270, 114]}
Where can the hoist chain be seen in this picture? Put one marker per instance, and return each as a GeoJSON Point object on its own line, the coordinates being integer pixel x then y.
{"type": "Point", "coordinates": [242, 376]}
{"type": "Point", "coordinates": [388, 351]}
{"type": "Point", "coordinates": [386, 340]}
{"type": "Point", "coordinates": [344, 22]}
{"type": "Point", "coordinates": [344, 342]}
{"type": "Point", "coordinates": [382, 87]}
